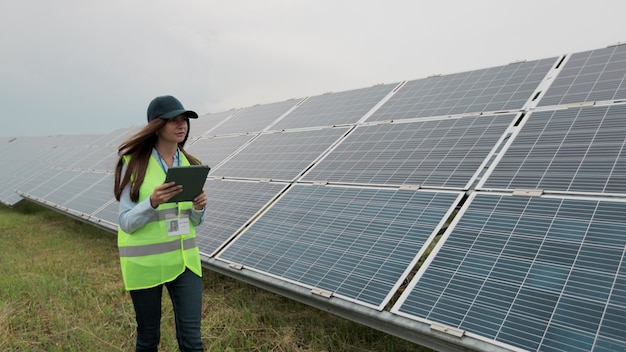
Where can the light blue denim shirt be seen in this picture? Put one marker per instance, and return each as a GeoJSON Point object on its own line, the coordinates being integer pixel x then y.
{"type": "Point", "coordinates": [133, 215]}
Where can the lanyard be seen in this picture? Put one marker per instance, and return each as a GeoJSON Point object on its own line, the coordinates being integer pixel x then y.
{"type": "Point", "coordinates": [175, 163]}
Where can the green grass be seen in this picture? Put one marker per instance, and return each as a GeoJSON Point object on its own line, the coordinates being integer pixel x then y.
{"type": "Point", "coordinates": [61, 290]}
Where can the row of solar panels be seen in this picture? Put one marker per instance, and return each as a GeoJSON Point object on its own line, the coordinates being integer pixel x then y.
{"type": "Point", "coordinates": [334, 199]}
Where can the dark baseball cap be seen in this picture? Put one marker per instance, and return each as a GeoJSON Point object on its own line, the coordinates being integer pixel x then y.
{"type": "Point", "coordinates": [167, 107]}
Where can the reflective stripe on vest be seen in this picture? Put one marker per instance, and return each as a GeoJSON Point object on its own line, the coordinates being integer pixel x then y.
{"type": "Point", "coordinates": [157, 248]}
{"type": "Point", "coordinates": [167, 214]}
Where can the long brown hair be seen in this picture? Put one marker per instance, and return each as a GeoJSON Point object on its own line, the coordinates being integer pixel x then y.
{"type": "Point", "coordinates": [139, 148]}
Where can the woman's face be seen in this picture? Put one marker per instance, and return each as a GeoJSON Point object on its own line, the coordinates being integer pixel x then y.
{"type": "Point", "coordinates": [175, 129]}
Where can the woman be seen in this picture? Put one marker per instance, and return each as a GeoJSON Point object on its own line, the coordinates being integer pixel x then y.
{"type": "Point", "coordinates": [151, 254]}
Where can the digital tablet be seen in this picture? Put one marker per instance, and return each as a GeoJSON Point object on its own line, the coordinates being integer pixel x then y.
{"type": "Point", "coordinates": [192, 179]}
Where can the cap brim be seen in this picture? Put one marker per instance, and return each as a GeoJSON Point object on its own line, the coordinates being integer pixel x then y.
{"type": "Point", "coordinates": [188, 113]}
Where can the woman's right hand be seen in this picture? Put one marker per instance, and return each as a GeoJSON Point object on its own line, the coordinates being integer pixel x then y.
{"type": "Point", "coordinates": [163, 193]}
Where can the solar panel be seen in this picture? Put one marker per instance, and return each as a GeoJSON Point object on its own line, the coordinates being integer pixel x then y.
{"type": "Point", "coordinates": [213, 150]}
{"type": "Point", "coordinates": [439, 153]}
{"type": "Point", "coordinates": [232, 204]}
{"type": "Point", "coordinates": [46, 183]}
{"type": "Point", "coordinates": [25, 158]}
{"type": "Point", "coordinates": [537, 273]}
{"type": "Point", "coordinates": [60, 156]}
{"type": "Point", "coordinates": [594, 75]}
{"type": "Point", "coordinates": [104, 156]}
{"type": "Point", "coordinates": [77, 183]}
{"type": "Point", "coordinates": [279, 156]}
{"type": "Point", "coordinates": [502, 88]}
{"type": "Point", "coordinates": [97, 190]}
{"type": "Point", "coordinates": [333, 109]}
{"type": "Point", "coordinates": [116, 137]}
{"type": "Point", "coordinates": [205, 123]}
{"type": "Point", "coordinates": [358, 243]}
{"type": "Point", "coordinates": [108, 161]}
{"type": "Point", "coordinates": [109, 213]}
{"type": "Point", "coordinates": [8, 195]}
{"type": "Point", "coordinates": [254, 118]}
{"type": "Point", "coordinates": [572, 150]}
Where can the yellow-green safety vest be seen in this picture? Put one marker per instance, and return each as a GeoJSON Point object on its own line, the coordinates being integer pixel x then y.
{"type": "Point", "coordinates": [148, 256]}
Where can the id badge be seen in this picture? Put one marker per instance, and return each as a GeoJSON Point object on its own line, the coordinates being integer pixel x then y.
{"type": "Point", "coordinates": [178, 226]}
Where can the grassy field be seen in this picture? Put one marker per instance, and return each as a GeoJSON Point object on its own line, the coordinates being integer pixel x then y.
{"type": "Point", "coordinates": [61, 290]}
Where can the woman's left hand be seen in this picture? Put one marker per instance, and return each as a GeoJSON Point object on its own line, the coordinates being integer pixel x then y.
{"type": "Point", "coordinates": [200, 201]}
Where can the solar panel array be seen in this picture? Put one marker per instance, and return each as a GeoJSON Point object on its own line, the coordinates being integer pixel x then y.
{"type": "Point", "coordinates": [515, 174]}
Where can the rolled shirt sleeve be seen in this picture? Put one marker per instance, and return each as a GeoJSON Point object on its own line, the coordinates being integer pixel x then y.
{"type": "Point", "coordinates": [133, 215]}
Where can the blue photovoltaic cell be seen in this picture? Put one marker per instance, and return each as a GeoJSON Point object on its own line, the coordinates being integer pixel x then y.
{"type": "Point", "coordinates": [355, 242]}
{"type": "Point", "coordinates": [231, 205]}
{"type": "Point", "coordinates": [279, 156]}
{"type": "Point", "coordinates": [439, 153]}
{"type": "Point", "coordinates": [542, 274]}
{"type": "Point", "coordinates": [500, 88]}
{"type": "Point", "coordinates": [573, 150]}
{"type": "Point", "coordinates": [594, 75]}
{"type": "Point", "coordinates": [335, 108]}
{"type": "Point", "coordinates": [254, 118]}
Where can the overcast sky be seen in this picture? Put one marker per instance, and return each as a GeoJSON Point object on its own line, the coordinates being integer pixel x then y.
{"type": "Point", "coordinates": [92, 66]}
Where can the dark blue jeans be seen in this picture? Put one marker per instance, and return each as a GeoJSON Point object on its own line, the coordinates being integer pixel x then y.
{"type": "Point", "coordinates": [186, 294]}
